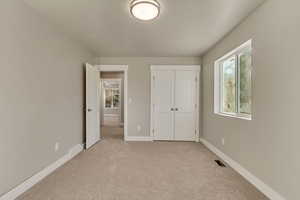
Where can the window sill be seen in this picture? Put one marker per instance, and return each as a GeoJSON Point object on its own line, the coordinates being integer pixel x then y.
{"type": "Point", "coordinates": [243, 117]}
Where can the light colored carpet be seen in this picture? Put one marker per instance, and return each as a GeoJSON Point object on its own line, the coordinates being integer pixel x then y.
{"type": "Point", "coordinates": [114, 170]}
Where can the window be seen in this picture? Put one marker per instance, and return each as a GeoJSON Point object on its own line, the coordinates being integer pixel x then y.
{"type": "Point", "coordinates": [112, 94]}
{"type": "Point", "coordinates": [233, 83]}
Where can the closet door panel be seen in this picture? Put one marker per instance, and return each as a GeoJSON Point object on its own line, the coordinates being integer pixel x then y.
{"type": "Point", "coordinates": [185, 91]}
{"type": "Point", "coordinates": [184, 127]}
{"type": "Point", "coordinates": [185, 104]}
{"type": "Point", "coordinates": [163, 96]}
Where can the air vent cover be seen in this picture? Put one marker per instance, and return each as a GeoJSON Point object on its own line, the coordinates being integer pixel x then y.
{"type": "Point", "coordinates": [220, 163]}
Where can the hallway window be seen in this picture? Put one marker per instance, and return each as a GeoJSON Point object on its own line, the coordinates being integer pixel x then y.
{"type": "Point", "coordinates": [233, 83]}
{"type": "Point", "coordinates": [112, 98]}
{"type": "Point", "coordinates": [112, 93]}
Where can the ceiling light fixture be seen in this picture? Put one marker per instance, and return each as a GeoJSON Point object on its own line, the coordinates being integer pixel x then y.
{"type": "Point", "coordinates": [145, 9]}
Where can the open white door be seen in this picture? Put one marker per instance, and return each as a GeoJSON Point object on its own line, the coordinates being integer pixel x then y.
{"type": "Point", "coordinates": [92, 106]}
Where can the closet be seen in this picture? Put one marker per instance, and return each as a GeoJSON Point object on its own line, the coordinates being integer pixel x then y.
{"type": "Point", "coordinates": [175, 102]}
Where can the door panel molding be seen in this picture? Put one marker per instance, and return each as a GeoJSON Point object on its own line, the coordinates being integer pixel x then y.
{"type": "Point", "coordinates": [191, 108]}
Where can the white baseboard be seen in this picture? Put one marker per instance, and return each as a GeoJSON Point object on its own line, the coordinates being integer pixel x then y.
{"type": "Point", "coordinates": [75, 150]}
{"type": "Point", "coordinates": [138, 139]}
{"type": "Point", "coordinates": [260, 185]}
{"type": "Point", "coordinates": [26, 185]}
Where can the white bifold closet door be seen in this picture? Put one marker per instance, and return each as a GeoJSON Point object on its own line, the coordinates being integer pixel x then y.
{"type": "Point", "coordinates": [163, 95]}
{"type": "Point", "coordinates": [174, 98]}
{"type": "Point", "coordinates": [185, 105]}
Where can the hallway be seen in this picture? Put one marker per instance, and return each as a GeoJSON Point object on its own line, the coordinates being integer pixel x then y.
{"type": "Point", "coordinates": [112, 133]}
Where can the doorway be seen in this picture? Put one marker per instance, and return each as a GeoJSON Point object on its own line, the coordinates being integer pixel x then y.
{"type": "Point", "coordinates": [112, 105]}
{"type": "Point", "coordinates": [106, 113]}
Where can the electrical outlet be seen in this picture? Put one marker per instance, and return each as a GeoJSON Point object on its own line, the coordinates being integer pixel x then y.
{"type": "Point", "coordinates": [223, 141]}
{"type": "Point", "coordinates": [139, 128]}
{"type": "Point", "coordinates": [56, 147]}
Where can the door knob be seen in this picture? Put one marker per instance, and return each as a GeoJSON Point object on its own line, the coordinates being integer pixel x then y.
{"type": "Point", "coordinates": [89, 110]}
{"type": "Point", "coordinates": [176, 109]}
{"type": "Point", "coordinates": [172, 109]}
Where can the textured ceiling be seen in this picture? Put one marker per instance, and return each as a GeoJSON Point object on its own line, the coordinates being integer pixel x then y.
{"type": "Point", "coordinates": [184, 28]}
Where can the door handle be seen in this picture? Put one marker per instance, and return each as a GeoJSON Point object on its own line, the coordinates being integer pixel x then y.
{"type": "Point", "coordinates": [176, 109]}
{"type": "Point", "coordinates": [172, 109]}
{"type": "Point", "coordinates": [89, 110]}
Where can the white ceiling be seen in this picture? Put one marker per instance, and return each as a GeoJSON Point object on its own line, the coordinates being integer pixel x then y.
{"type": "Point", "coordinates": [184, 28]}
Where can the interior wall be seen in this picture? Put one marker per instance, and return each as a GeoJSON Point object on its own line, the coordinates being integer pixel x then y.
{"type": "Point", "coordinates": [114, 75]}
{"type": "Point", "coordinates": [139, 86]}
{"type": "Point", "coordinates": [41, 89]}
{"type": "Point", "coordinates": [268, 146]}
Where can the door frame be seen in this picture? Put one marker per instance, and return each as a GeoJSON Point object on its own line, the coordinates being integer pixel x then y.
{"type": "Point", "coordinates": [196, 69]}
{"type": "Point", "coordinates": [103, 97]}
{"type": "Point", "coordinates": [124, 69]}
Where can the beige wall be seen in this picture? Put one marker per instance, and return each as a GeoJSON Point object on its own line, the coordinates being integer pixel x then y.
{"type": "Point", "coordinates": [268, 146]}
{"type": "Point", "coordinates": [41, 93]}
{"type": "Point", "coordinates": [139, 87]}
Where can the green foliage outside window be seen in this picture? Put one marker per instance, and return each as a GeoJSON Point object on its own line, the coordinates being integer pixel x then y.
{"type": "Point", "coordinates": [236, 83]}
{"type": "Point", "coordinates": [229, 91]}
{"type": "Point", "coordinates": [245, 83]}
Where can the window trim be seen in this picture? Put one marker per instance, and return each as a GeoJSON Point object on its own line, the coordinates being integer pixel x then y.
{"type": "Point", "coordinates": [218, 79]}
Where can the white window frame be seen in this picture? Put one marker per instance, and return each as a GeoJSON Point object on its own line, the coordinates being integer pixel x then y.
{"type": "Point", "coordinates": [218, 102]}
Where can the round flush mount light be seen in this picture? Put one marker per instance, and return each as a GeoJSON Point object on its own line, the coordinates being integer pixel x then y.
{"type": "Point", "coordinates": [145, 9]}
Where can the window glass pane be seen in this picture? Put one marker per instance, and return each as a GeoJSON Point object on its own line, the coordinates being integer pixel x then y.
{"type": "Point", "coordinates": [116, 91]}
{"type": "Point", "coordinates": [245, 82]}
{"type": "Point", "coordinates": [108, 98]}
{"type": "Point", "coordinates": [229, 83]}
{"type": "Point", "coordinates": [116, 99]}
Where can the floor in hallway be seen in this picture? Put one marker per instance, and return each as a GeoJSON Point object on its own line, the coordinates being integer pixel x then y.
{"type": "Point", "coordinates": [112, 133]}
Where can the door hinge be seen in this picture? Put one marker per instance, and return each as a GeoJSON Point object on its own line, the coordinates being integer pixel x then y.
{"type": "Point", "coordinates": [154, 78]}
{"type": "Point", "coordinates": [196, 79]}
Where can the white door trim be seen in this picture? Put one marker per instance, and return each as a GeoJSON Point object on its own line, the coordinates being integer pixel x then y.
{"type": "Point", "coordinates": [197, 69]}
{"type": "Point", "coordinates": [119, 68]}
{"type": "Point", "coordinates": [198, 105]}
